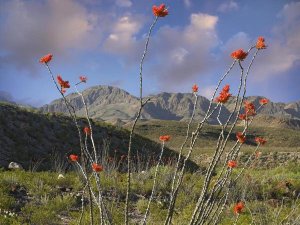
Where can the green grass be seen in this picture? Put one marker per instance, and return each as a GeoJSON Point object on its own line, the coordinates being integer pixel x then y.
{"type": "Point", "coordinates": [265, 192]}
{"type": "Point", "coordinates": [278, 139]}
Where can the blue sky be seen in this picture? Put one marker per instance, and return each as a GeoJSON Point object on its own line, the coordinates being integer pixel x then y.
{"type": "Point", "coordinates": [104, 40]}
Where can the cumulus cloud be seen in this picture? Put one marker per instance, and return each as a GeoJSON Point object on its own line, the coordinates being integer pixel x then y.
{"type": "Point", "coordinates": [283, 51]}
{"type": "Point", "coordinates": [184, 53]}
{"type": "Point", "coordinates": [34, 28]}
{"type": "Point", "coordinates": [122, 39]}
{"type": "Point", "coordinates": [123, 3]}
{"type": "Point", "coordinates": [241, 39]}
{"type": "Point", "coordinates": [228, 6]}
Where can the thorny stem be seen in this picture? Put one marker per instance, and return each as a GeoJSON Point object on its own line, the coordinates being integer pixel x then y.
{"type": "Point", "coordinates": [193, 141]}
{"type": "Point", "coordinates": [154, 184]}
{"type": "Point", "coordinates": [82, 205]}
{"type": "Point", "coordinates": [72, 114]}
{"type": "Point", "coordinates": [142, 104]}
{"type": "Point", "coordinates": [89, 122]}
{"type": "Point", "coordinates": [225, 142]}
{"type": "Point", "coordinates": [183, 144]}
{"type": "Point", "coordinates": [247, 124]}
{"type": "Point", "coordinates": [199, 208]}
{"type": "Point", "coordinates": [83, 149]}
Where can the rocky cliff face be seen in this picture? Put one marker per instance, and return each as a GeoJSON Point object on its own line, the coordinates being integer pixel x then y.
{"type": "Point", "coordinates": [110, 103]}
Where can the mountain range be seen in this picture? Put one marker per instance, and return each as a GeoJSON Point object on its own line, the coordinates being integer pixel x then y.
{"type": "Point", "coordinates": [112, 104]}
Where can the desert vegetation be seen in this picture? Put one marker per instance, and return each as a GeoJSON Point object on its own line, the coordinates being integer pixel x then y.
{"type": "Point", "coordinates": [211, 179]}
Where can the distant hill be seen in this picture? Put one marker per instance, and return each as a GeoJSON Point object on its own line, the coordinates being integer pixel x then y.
{"type": "Point", "coordinates": [27, 136]}
{"type": "Point", "coordinates": [107, 103]}
{"type": "Point", "coordinates": [6, 97]}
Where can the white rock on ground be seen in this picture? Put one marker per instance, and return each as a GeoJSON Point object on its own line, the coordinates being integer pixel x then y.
{"type": "Point", "coordinates": [14, 165]}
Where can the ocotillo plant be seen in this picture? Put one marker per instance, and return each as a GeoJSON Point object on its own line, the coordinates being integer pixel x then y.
{"type": "Point", "coordinates": [213, 196]}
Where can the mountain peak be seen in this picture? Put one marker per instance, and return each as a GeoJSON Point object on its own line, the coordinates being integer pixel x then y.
{"type": "Point", "coordinates": [109, 103]}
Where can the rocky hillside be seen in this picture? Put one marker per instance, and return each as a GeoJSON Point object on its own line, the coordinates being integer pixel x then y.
{"type": "Point", "coordinates": [27, 136]}
{"type": "Point", "coordinates": [118, 106]}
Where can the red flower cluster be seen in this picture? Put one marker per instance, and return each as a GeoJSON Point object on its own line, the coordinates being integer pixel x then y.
{"type": "Point", "coordinates": [238, 207]}
{"type": "Point", "coordinates": [240, 137]}
{"type": "Point", "coordinates": [97, 167]}
{"type": "Point", "coordinates": [239, 54]}
{"type": "Point", "coordinates": [224, 95]}
{"type": "Point", "coordinates": [243, 117]}
{"type": "Point", "coordinates": [73, 158]}
{"type": "Point", "coordinates": [47, 58]}
{"type": "Point", "coordinates": [87, 130]}
{"type": "Point", "coordinates": [195, 88]}
{"type": "Point", "coordinates": [232, 164]}
{"type": "Point", "coordinates": [260, 44]}
{"type": "Point", "coordinates": [83, 79]}
{"type": "Point", "coordinates": [260, 140]}
{"type": "Point", "coordinates": [263, 101]}
{"type": "Point", "coordinates": [165, 138]}
{"type": "Point", "coordinates": [160, 11]}
{"type": "Point", "coordinates": [249, 108]}
{"type": "Point", "coordinates": [63, 84]}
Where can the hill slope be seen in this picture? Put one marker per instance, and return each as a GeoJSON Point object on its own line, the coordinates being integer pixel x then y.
{"type": "Point", "coordinates": [28, 136]}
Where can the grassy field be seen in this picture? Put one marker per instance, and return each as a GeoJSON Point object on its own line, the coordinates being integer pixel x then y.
{"type": "Point", "coordinates": [271, 193]}
{"type": "Point", "coordinates": [279, 140]}
{"type": "Point", "coordinates": [41, 198]}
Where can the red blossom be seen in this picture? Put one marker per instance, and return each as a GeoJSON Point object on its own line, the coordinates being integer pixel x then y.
{"type": "Point", "coordinates": [47, 58]}
{"type": "Point", "coordinates": [62, 83]}
{"type": "Point", "coordinates": [263, 101]}
{"type": "Point", "coordinates": [243, 117]}
{"type": "Point", "coordinates": [87, 130]}
{"type": "Point", "coordinates": [240, 137]}
{"type": "Point", "coordinates": [165, 138]}
{"type": "Point", "coordinates": [195, 88]}
{"type": "Point", "coordinates": [260, 44]}
{"type": "Point", "coordinates": [224, 95]}
{"type": "Point", "coordinates": [160, 11]}
{"type": "Point", "coordinates": [226, 88]}
{"type": "Point", "coordinates": [73, 158]}
{"type": "Point", "coordinates": [83, 79]}
{"type": "Point", "coordinates": [232, 164]}
{"type": "Point", "coordinates": [249, 108]}
{"type": "Point", "coordinates": [260, 140]}
{"type": "Point", "coordinates": [238, 207]}
{"type": "Point", "coordinates": [97, 167]}
{"type": "Point", "coordinates": [239, 54]}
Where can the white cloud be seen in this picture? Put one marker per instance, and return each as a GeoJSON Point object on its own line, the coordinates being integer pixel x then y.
{"type": "Point", "coordinates": [178, 55]}
{"type": "Point", "coordinates": [182, 54]}
{"type": "Point", "coordinates": [122, 38]}
{"type": "Point", "coordinates": [237, 41]}
{"type": "Point", "coordinates": [284, 47]}
{"type": "Point", "coordinates": [35, 28]}
{"type": "Point", "coordinates": [228, 6]}
{"type": "Point", "coordinates": [123, 3]}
